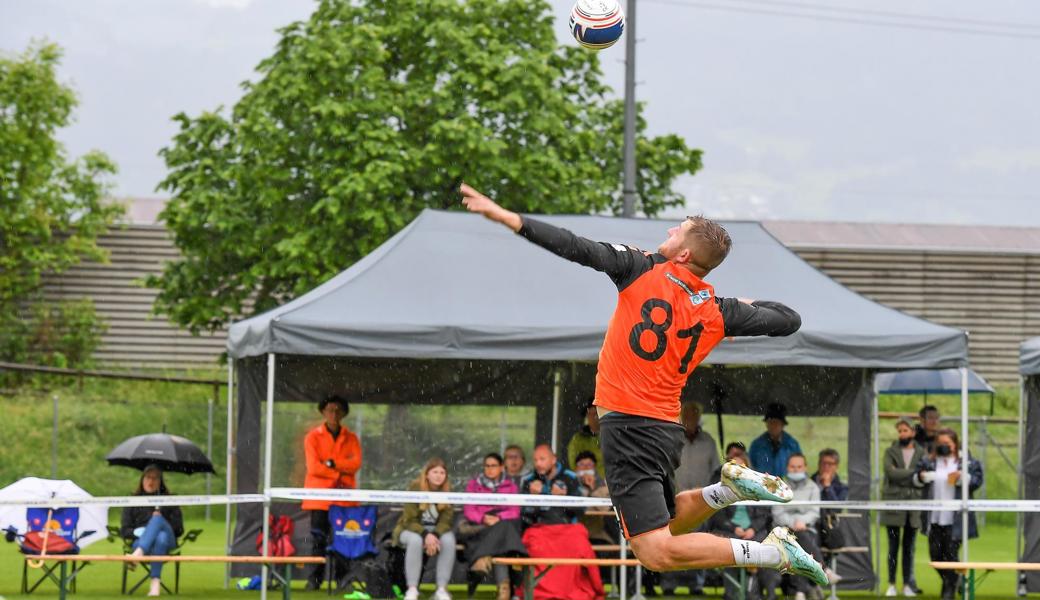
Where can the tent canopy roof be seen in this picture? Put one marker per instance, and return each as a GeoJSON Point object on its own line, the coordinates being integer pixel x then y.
{"type": "Point", "coordinates": [930, 381]}
{"type": "Point", "coordinates": [454, 285]}
{"type": "Point", "coordinates": [1029, 357]}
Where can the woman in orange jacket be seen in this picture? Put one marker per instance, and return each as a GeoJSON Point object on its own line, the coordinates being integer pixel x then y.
{"type": "Point", "coordinates": [333, 456]}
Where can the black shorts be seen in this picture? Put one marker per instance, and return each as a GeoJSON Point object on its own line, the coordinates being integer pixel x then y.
{"type": "Point", "coordinates": [641, 455]}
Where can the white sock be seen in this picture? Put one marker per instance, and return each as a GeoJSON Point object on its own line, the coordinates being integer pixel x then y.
{"type": "Point", "coordinates": [719, 496]}
{"type": "Point", "coordinates": [746, 552]}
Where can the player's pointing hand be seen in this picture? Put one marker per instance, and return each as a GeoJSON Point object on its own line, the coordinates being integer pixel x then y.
{"type": "Point", "coordinates": [481, 204]}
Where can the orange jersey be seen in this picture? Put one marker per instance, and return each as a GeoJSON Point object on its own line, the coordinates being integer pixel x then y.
{"type": "Point", "coordinates": [666, 322]}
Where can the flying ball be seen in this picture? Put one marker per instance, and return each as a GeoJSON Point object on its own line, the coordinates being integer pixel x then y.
{"type": "Point", "coordinates": [597, 24]}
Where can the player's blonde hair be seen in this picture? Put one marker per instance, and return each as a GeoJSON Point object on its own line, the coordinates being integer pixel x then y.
{"type": "Point", "coordinates": [708, 241]}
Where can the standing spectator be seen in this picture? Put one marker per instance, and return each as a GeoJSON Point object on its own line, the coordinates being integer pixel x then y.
{"type": "Point", "coordinates": [826, 476]}
{"type": "Point", "coordinates": [697, 467]}
{"type": "Point", "coordinates": [333, 455]}
{"type": "Point", "coordinates": [803, 522]}
{"type": "Point", "coordinates": [900, 463]}
{"type": "Point", "coordinates": [426, 528]}
{"type": "Point", "coordinates": [927, 428]}
{"type": "Point", "coordinates": [489, 530]}
{"type": "Point", "coordinates": [700, 454]}
{"type": "Point", "coordinates": [940, 473]}
{"type": "Point", "coordinates": [586, 439]}
{"type": "Point", "coordinates": [739, 521]}
{"type": "Point", "coordinates": [154, 529]}
{"type": "Point", "coordinates": [516, 465]}
{"type": "Point", "coordinates": [770, 451]}
{"type": "Point", "coordinates": [550, 477]}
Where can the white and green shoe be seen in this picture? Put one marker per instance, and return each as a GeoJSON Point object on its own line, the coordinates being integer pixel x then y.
{"type": "Point", "coordinates": [792, 558]}
{"type": "Point", "coordinates": [752, 485]}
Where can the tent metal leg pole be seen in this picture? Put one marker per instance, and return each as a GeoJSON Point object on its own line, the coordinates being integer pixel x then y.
{"type": "Point", "coordinates": [964, 463]}
{"type": "Point", "coordinates": [268, 435]}
{"type": "Point", "coordinates": [557, 392]}
{"type": "Point", "coordinates": [876, 487]}
{"type": "Point", "coordinates": [1018, 464]}
{"type": "Point", "coordinates": [228, 457]}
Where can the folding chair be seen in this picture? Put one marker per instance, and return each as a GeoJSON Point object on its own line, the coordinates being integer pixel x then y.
{"type": "Point", "coordinates": [352, 528]}
{"type": "Point", "coordinates": [50, 531]}
{"type": "Point", "coordinates": [128, 547]}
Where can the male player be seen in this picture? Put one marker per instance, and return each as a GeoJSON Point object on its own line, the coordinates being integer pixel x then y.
{"type": "Point", "coordinates": [666, 321]}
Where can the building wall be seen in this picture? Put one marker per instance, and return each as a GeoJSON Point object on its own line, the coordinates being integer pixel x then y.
{"type": "Point", "coordinates": [135, 337]}
{"type": "Point", "coordinates": [994, 296]}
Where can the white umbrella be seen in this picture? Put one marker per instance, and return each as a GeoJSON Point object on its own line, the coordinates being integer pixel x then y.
{"type": "Point", "coordinates": [91, 517]}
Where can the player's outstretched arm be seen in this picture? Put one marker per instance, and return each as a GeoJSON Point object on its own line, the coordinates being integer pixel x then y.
{"type": "Point", "coordinates": [481, 204]}
{"type": "Point", "coordinates": [621, 263]}
{"type": "Point", "coordinates": [758, 317]}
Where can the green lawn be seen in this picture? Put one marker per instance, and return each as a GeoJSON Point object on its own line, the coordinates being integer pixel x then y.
{"type": "Point", "coordinates": [206, 580]}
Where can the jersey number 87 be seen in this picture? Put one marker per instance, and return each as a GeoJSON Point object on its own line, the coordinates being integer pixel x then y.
{"type": "Point", "coordinates": [659, 330]}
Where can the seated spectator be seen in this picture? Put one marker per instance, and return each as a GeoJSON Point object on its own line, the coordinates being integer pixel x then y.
{"type": "Point", "coordinates": [154, 529]}
{"type": "Point", "coordinates": [491, 531]}
{"type": "Point", "coordinates": [802, 521]}
{"type": "Point", "coordinates": [554, 532]}
{"type": "Point", "coordinates": [826, 476]}
{"type": "Point", "coordinates": [426, 528]}
{"type": "Point", "coordinates": [550, 477]}
{"type": "Point", "coordinates": [739, 521]}
{"type": "Point", "coordinates": [587, 438]}
{"type": "Point", "coordinates": [770, 451]}
{"type": "Point", "coordinates": [592, 485]}
{"type": "Point", "coordinates": [516, 465]}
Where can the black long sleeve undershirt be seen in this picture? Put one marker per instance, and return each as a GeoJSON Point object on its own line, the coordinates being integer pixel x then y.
{"type": "Point", "coordinates": [624, 264]}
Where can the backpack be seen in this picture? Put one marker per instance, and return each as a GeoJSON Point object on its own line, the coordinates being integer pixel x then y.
{"type": "Point", "coordinates": [280, 531]}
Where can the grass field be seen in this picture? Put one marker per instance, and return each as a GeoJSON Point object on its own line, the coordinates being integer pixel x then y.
{"type": "Point", "coordinates": [101, 581]}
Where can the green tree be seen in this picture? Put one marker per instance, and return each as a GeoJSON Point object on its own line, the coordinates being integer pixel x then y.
{"type": "Point", "coordinates": [369, 112]}
{"type": "Point", "coordinates": [51, 209]}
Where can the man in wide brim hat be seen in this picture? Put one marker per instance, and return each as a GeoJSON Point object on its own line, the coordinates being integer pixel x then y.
{"type": "Point", "coordinates": [770, 451]}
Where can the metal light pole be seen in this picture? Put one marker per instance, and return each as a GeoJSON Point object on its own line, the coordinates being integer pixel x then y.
{"type": "Point", "coordinates": [628, 190]}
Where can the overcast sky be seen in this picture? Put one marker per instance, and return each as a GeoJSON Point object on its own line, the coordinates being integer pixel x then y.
{"type": "Point", "coordinates": [809, 109]}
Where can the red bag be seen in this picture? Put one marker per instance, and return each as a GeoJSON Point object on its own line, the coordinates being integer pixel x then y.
{"type": "Point", "coordinates": [280, 532]}
{"type": "Point", "coordinates": [55, 544]}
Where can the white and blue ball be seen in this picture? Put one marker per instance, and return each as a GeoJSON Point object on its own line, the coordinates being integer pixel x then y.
{"type": "Point", "coordinates": [597, 24]}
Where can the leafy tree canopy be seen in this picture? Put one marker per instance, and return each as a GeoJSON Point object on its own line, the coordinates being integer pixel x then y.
{"type": "Point", "coordinates": [367, 113]}
{"type": "Point", "coordinates": [51, 209]}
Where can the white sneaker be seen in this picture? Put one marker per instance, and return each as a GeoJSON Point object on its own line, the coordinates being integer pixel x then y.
{"type": "Point", "coordinates": [799, 596]}
{"type": "Point", "coordinates": [752, 485]}
{"type": "Point", "coordinates": [412, 594]}
{"type": "Point", "coordinates": [908, 591]}
{"type": "Point", "coordinates": [891, 592]}
{"type": "Point", "coordinates": [441, 594]}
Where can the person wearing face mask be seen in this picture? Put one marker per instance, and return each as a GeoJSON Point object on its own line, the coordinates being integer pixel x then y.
{"type": "Point", "coordinates": [802, 521]}
{"type": "Point", "coordinates": [940, 474]}
{"type": "Point", "coordinates": [900, 464]}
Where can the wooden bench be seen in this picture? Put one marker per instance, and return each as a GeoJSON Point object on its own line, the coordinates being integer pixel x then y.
{"type": "Point", "coordinates": [531, 579]}
{"type": "Point", "coordinates": [65, 579]}
{"type": "Point", "coordinates": [968, 570]}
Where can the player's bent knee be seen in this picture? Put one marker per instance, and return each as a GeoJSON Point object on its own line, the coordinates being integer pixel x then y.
{"type": "Point", "coordinates": [655, 552]}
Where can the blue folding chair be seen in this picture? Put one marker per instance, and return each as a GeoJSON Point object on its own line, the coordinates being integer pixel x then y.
{"type": "Point", "coordinates": [352, 528]}
{"type": "Point", "coordinates": [51, 531]}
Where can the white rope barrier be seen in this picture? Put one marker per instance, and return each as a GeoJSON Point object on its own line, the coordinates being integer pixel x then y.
{"type": "Point", "coordinates": [463, 498]}
{"type": "Point", "coordinates": [119, 501]}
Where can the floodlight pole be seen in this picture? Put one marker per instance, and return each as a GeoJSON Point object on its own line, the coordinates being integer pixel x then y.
{"type": "Point", "coordinates": [965, 466]}
{"type": "Point", "coordinates": [628, 191]}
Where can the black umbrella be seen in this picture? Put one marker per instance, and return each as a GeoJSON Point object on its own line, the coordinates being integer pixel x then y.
{"type": "Point", "coordinates": [169, 452]}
